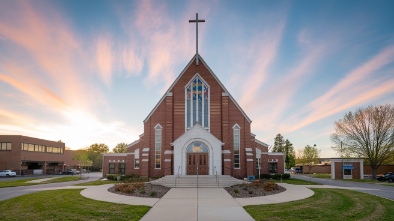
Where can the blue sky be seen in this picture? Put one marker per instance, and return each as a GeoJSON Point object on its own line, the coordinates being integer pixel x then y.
{"type": "Point", "coordinates": [90, 71]}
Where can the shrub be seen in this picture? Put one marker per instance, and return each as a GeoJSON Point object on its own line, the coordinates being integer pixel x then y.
{"type": "Point", "coordinates": [153, 193]}
{"type": "Point", "coordinates": [286, 176]}
{"type": "Point", "coordinates": [250, 191]}
{"type": "Point", "coordinates": [269, 186]}
{"type": "Point", "coordinates": [129, 187]}
{"type": "Point", "coordinates": [275, 176]}
{"type": "Point", "coordinates": [236, 191]}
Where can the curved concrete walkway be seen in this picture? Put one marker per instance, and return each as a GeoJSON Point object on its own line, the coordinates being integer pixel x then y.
{"type": "Point", "coordinates": [202, 204]}
{"type": "Point", "coordinates": [183, 204]}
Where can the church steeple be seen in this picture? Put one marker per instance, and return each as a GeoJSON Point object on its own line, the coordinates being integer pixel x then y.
{"type": "Point", "coordinates": [196, 21]}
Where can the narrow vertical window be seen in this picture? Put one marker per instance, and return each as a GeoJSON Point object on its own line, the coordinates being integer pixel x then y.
{"type": "Point", "coordinates": [197, 103]}
{"type": "Point", "coordinates": [122, 168]}
{"type": "Point", "coordinates": [158, 129]}
{"type": "Point", "coordinates": [136, 158]}
{"type": "Point", "coordinates": [236, 135]}
{"type": "Point", "coordinates": [111, 168]}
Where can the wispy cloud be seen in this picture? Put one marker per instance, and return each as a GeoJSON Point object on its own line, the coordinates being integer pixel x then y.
{"type": "Point", "coordinates": [104, 59]}
{"type": "Point", "coordinates": [356, 88]}
{"type": "Point", "coordinates": [53, 68]}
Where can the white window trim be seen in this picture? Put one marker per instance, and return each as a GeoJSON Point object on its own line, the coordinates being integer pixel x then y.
{"type": "Point", "coordinates": [236, 127]}
{"type": "Point", "coordinates": [191, 105]}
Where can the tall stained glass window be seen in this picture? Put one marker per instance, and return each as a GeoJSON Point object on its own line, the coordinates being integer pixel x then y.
{"type": "Point", "coordinates": [236, 135]}
{"type": "Point", "coordinates": [197, 103]}
{"type": "Point", "coordinates": [158, 146]}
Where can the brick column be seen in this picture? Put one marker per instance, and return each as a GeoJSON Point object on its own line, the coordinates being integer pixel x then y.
{"type": "Point", "coordinates": [144, 163]}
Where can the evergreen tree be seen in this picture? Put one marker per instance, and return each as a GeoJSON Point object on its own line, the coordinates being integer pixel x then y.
{"type": "Point", "coordinates": [279, 144]}
{"type": "Point", "coordinates": [289, 154]}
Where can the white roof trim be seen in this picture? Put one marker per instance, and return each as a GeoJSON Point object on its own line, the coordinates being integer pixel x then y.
{"type": "Point", "coordinates": [117, 154]}
{"type": "Point", "coordinates": [214, 76]}
{"type": "Point", "coordinates": [273, 153]}
{"type": "Point", "coordinates": [261, 143]}
{"type": "Point", "coordinates": [135, 142]}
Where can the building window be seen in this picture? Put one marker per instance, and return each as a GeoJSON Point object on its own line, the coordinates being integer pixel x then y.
{"type": "Point", "coordinates": [112, 168]}
{"type": "Point", "coordinates": [158, 130]}
{"type": "Point", "coordinates": [197, 103]}
{"type": "Point", "coordinates": [122, 168]}
{"type": "Point", "coordinates": [236, 135]}
{"type": "Point", "coordinates": [347, 171]}
{"type": "Point", "coordinates": [272, 167]}
{"type": "Point", "coordinates": [5, 146]}
{"type": "Point", "coordinates": [136, 163]}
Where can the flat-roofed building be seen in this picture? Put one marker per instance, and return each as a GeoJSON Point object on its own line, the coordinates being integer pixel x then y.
{"type": "Point", "coordinates": [29, 155]}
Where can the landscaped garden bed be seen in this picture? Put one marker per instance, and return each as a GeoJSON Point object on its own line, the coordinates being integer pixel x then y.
{"type": "Point", "coordinates": [254, 189]}
{"type": "Point", "coordinates": [139, 189]}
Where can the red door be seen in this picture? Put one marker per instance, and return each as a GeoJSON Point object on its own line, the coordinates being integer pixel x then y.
{"type": "Point", "coordinates": [200, 159]}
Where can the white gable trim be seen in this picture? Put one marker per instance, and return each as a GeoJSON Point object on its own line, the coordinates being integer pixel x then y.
{"type": "Point", "coordinates": [214, 76]}
{"type": "Point", "coordinates": [197, 133]}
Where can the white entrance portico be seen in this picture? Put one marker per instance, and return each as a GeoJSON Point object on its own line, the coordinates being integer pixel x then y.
{"type": "Point", "coordinates": [197, 134]}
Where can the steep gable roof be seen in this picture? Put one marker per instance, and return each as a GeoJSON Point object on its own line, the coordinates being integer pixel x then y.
{"type": "Point", "coordinates": [214, 76]}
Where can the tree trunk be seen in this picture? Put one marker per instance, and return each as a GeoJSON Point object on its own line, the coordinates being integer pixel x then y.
{"type": "Point", "coordinates": [374, 168]}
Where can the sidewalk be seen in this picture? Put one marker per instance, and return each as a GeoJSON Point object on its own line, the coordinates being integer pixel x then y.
{"type": "Point", "coordinates": [182, 204]}
{"type": "Point", "coordinates": [212, 204]}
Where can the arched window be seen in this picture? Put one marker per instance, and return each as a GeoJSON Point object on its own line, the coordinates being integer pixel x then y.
{"type": "Point", "coordinates": [197, 103]}
{"type": "Point", "coordinates": [236, 135]}
{"type": "Point", "coordinates": [158, 146]}
{"type": "Point", "coordinates": [197, 147]}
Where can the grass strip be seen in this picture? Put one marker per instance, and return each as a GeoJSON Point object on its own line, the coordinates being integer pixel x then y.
{"type": "Point", "coordinates": [62, 179]}
{"type": "Point", "coordinates": [96, 183]}
{"type": "Point", "coordinates": [66, 205]}
{"type": "Point", "coordinates": [328, 204]}
{"type": "Point", "coordinates": [293, 181]}
{"type": "Point", "coordinates": [13, 183]}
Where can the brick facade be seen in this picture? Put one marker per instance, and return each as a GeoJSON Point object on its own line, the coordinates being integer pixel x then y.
{"type": "Point", "coordinates": [224, 113]}
{"type": "Point", "coordinates": [24, 162]}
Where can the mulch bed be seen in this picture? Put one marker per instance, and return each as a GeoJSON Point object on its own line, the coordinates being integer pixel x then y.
{"type": "Point", "coordinates": [149, 188]}
{"type": "Point", "coordinates": [248, 190]}
{"type": "Point", "coordinates": [237, 191]}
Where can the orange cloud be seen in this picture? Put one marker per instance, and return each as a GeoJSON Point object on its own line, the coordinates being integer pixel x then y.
{"type": "Point", "coordinates": [104, 59]}
{"type": "Point", "coordinates": [355, 89]}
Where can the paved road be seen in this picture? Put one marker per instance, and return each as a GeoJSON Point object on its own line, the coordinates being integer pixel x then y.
{"type": "Point", "coordinates": [374, 189]}
{"type": "Point", "coordinates": [10, 192]}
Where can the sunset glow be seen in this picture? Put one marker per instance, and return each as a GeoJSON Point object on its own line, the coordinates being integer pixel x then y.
{"type": "Point", "coordinates": [89, 72]}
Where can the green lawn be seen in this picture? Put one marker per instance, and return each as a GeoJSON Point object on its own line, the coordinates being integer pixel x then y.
{"type": "Point", "coordinates": [386, 184]}
{"type": "Point", "coordinates": [321, 175]}
{"type": "Point", "coordinates": [63, 179]}
{"type": "Point", "coordinates": [328, 204]}
{"type": "Point", "coordinates": [66, 205]}
{"type": "Point", "coordinates": [12, 183]}
{"type": "Point", "coordinates": [293, 181]}
{"type": "Point", "coordinates": [96, 183]}
{"type": "Point", "coordinates": [361, 181]}
{"type": "Point", "coordinates": [24, 182]}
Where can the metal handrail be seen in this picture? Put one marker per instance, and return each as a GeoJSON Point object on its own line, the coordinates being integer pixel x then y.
{"type": "Point", "coordinates": [177, 175]}
{"type": "Point", "coordinates": [217, 177]}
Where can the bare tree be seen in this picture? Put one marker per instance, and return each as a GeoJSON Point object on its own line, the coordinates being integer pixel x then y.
{"type": "Point", "coordinates": [310, 156]}
{"type": "Point", "coordinates": [369, 133]}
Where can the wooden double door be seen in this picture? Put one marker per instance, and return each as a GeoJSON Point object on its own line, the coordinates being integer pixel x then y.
{"type": "Point", "coordinates": [197, 159]}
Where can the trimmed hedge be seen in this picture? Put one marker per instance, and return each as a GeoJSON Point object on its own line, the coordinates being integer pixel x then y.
{"type": "Point", "coordinates": [127, 178]}
{"type": "Point", "coordinates": [275, 176]}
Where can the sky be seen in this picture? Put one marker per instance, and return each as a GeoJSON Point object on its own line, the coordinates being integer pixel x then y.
{"type": "Point", "coordinates": [89, 72]}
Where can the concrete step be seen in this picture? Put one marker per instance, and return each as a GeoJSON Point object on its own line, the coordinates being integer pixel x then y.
{"type": "Point", "coordinates": [204, 181]}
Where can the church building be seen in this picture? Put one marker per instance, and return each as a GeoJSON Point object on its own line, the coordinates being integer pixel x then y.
{"type": "Point", "coordinates": [196, 127]}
